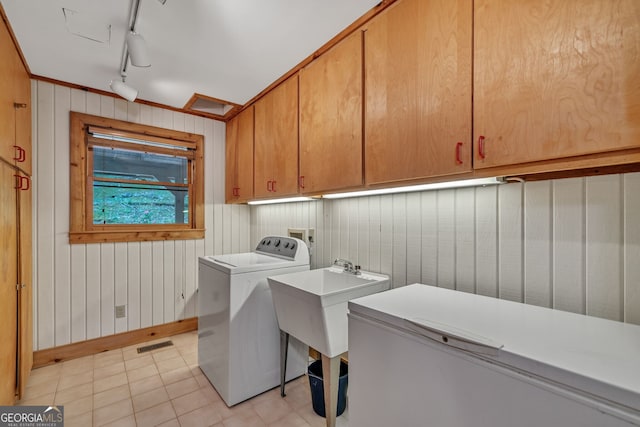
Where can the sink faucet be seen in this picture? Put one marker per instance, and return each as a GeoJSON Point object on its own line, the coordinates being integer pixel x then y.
{"type": "Point", "coordinates": [348, 266]}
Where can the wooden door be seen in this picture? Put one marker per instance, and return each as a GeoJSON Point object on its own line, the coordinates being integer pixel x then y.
{"type": "Point", "coordinates": [555, 79]}
{"type": "Point", "coordinates": [8, 282]}
{"type": "Point", "coordinates": [276, 141]}
{"type": "Point", "coordinates": [239, 158]}
{"type": "Point", "coordinates": [25, 279]}
{"type": "Point", "coordinates": [417, 61]}
{"type": "Point", "coordinates": [331, 119]}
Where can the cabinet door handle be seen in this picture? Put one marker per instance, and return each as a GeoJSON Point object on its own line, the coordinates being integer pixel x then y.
{"type": "Point", "coordinates": [269, 185]}
{"type": "Point", "coordinates": [481, 152]}
{"type": "Point", "coordinates": [21, 154]}
{"type": "Point", "coordinates": [458, 159]}
{"type": "Point", "coordinates": [22, 182]}
{"type": "Point", "coordinates": [273, 186]}
{"type": "Point", "coordinates": [301, 183]}
{"type": "Point", "coordinates": [236, 191]}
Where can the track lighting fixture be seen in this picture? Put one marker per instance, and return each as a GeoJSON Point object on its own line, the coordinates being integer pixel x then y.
{"type": "Point", "coordinates": [124, 90]}
{"type": "Point", "coordinates": [137, 49]}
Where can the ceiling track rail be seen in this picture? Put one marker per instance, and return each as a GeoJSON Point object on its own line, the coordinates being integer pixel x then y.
{"type": "Point", "coordinates": [133, 20]}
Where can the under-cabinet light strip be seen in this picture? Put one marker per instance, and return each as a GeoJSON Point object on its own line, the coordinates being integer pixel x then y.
{"type": "Point", "coordinates": [407, 189]}
{"type": "Point", "coordinates": [423, 187]}
{"type": "Point", "coordinates": [285, 200]}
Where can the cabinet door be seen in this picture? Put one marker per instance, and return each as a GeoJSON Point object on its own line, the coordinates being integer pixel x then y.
{"type": "Point", "coordinates": [22, 110]}
{"type": "Point", "coordinates": [239, 157]}
{"type": "Point", "coordinates": [8, 281]}
{"type": "Point", "coordinates": [555, 79]}
{"type": "Point", "coordinates": [418, 90]}
{"type": "Point", "coordinates": [7, 115]}
{"type": "Point", "coordinates": [331, 119]}
{"type": "Point", "coordinates": [25, 279]}
{"type": "Point", "coordinates": [276, 141]}
{"type": "Point", "coordinates": [15, 105]}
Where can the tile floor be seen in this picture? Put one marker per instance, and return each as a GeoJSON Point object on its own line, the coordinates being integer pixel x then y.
{"type": "Point", "coordinates": [164, 387]}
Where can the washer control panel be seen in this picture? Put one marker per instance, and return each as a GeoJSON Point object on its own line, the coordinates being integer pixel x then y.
{"type": "Point", "coordinates": [278, 245]}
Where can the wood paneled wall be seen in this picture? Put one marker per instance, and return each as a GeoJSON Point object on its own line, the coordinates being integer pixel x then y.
{"type": "Point", "coordinates": [572, 244]}
{"type": "Point", "coordinates": [76, 287]}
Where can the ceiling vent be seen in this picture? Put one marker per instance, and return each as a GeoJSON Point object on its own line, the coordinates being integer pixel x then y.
{"type": "Point", "coordinates": [212, 107]}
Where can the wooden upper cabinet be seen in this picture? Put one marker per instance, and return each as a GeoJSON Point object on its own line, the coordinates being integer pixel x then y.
{"type": "Point", "coordinates": [417, 61]}
{"type": "Point", "coordinates": [331, 119]}
{"type": "Point", "coordinates": [7, 88]}
{"type": "Point", "coordinates": [22, 109]}
{"type": "Point", "coordinates": [276, 142]}
{"type": "Point", "coordinates": [555, 79]}
{"type": "Point", "coordinates": [15, 105]}
{"type": "Point", "coordinates": [239, 158]}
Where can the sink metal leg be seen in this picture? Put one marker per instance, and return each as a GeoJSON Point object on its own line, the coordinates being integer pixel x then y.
{"type": "Point", "coordinates": [284, 349]}
{"type": "Point", "coordinates": [331, 374]}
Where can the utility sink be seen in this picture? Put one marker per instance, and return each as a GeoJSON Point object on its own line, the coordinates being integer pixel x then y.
{"type": "Point", "coordinates": [312, 305]}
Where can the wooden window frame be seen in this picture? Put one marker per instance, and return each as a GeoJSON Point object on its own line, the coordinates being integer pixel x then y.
{"type": "Point", "coordinates": [81, 230]}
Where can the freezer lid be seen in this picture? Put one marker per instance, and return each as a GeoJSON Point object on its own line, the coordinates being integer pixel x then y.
{"type": "Point", "coordinates": [598, 356]}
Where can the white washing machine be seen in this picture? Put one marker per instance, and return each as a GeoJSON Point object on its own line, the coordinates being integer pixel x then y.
{"type": "Point", "coordinates": [238, 335]}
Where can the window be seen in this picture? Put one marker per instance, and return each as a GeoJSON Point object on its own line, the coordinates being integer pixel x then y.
{"type": "Point", "coordinates": [131, 182]}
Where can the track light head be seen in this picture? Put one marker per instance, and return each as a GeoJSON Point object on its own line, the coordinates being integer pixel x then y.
{"type": "Point", "coordinates": [124, 90]}
{"type": "Point", "coordinates": [138, 51]}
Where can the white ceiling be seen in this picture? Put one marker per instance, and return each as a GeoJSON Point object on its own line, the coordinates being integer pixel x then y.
{"type": "Point", "coordinates": [226, 49]}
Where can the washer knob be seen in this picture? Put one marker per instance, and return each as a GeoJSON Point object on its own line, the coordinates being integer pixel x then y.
{"type": "Point", "coordinates": [277, 243]}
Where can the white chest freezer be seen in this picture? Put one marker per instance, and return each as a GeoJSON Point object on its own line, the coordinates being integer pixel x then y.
{"type": "Point", "coordinates": [426, 356]}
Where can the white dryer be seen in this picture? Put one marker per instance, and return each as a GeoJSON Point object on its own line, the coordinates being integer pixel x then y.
{"type": "Point", "coordinates": [238, 335]}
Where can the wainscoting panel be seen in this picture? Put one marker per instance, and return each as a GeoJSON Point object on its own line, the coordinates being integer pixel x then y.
{"type": "Point", "coordinates": [631, 256]}
{"type": "Point", "coordinates": [76, 287]}
{"type": "Point", "coordinates": [571, 244]}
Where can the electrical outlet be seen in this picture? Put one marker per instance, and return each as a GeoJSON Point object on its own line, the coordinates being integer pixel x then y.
{"type": "Point", "coordinates": [121, 311]}
{"type": "Point", "coordinates": [311, 235]}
